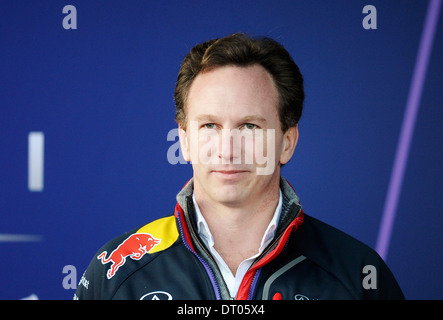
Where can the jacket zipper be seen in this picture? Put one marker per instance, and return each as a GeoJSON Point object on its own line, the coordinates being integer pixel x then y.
{"type": "Point", "coordinates": [203, 248]}
{"type": "Point", "coordinates": [263, 254]}
{"type": "Point", "coordinates": [253, 284]}
{"type": "Point", "coordinates": [257, 272]}
{"type": "Point", "coordinates": [208, 269]}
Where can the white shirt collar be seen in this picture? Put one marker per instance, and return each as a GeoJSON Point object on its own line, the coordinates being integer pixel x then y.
{"type": "Point", "coordinates": [233, 281]}
{"type": "Point", "coordinates": [206, 235]}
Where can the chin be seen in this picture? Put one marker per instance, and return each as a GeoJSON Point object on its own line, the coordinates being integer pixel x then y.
{"type": "Point", "coordinates": [230, 194]}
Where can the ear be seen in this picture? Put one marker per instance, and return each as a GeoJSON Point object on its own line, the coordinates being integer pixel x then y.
{"type": "Point", "coordinates": [290, 139]}
{"type": "Point", "coordinates": [184, 143]}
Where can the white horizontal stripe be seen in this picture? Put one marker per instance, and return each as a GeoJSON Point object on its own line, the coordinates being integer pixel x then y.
{"type": "Point", "coordinates": [9, 237]}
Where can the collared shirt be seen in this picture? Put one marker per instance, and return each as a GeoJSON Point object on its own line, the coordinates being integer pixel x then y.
{"type": "Point", "coordinates": [233, 281]}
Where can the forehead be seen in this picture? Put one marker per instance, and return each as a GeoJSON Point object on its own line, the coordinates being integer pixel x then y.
{"type": "Point", "coordinates": [233, 91]}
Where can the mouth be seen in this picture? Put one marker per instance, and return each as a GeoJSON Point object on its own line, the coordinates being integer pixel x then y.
{"type": "Point", "coordinates": [229, 174]}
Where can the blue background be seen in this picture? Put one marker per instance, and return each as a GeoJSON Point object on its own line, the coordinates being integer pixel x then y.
{"type": "Point", "coordinates": [103, 97]}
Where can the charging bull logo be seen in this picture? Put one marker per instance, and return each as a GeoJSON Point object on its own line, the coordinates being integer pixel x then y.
{"type": "Point", "coordinates": [134, 247]}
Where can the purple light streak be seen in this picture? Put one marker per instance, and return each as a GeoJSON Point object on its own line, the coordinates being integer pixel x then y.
{"type": "Point", "coordinates": [407, 130]}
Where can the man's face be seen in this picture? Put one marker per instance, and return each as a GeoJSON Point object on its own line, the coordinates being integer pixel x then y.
{"type": "Point", "coordinates": [233, 135]}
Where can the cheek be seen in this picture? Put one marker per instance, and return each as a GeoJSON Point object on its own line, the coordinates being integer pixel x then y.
{"type": "Point", "coordinates": [266, 143]}
{"type": "Point", "coordinates": [202, 144]}
{"type": "Point", "coordinates": [267, 147]}
{"type": "Point", "coordinates": [208, 147]}
{"type": "Point", "coordinates": [204, 147]}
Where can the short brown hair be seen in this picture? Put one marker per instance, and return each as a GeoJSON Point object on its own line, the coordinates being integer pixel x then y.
{"type": "Point", "coordinates": [242, 50]}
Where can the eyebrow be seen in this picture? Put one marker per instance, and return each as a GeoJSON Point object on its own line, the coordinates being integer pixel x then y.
{"type": "Point", "coordinates": [206, 117]}
{"type": "Point", "coordinates": [254, 118]}
{"type": "Point", "coordinates": [214, 118]}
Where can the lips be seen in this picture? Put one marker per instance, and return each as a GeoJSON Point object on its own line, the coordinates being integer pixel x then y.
{"type": "Point", "coordinates": [229, 171]}
{"type": "Point", "coordinates": [229, 174]}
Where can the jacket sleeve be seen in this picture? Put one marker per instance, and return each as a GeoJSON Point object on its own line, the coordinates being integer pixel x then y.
{"type": "Point", "coordinates": [356, 266]}
{"type": "Point", "coordinates": [378, 282]}
{"type": "Point", "coordinates": [92, 283]}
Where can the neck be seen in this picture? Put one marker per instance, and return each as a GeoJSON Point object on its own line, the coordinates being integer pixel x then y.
{"type": "Point", "coordinates": [238, 230]}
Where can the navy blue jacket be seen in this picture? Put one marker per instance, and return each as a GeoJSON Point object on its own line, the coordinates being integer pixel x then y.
{"type": "Point", "coordinates": [307, 259]}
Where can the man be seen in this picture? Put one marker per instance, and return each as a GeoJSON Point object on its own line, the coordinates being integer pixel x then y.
{"type": "Point", "coordinates": [238, 230]}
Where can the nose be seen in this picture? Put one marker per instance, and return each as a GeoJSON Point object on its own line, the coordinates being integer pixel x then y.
{"type": "Point", "coordinates": [229, 147]}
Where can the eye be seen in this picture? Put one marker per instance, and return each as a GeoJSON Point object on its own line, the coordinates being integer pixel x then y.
{"type": "Point", "coordinates": [250, 126]}
{"type": "Point", "coordinates": [209, 126]}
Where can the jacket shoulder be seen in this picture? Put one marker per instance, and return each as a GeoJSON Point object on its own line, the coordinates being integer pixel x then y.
{"type": "Point", "coordinates": [124, 255]}
{"type": "Point", "coordinates": [334, 240]}
{"type": "Point", "coordinates": [346, 258]}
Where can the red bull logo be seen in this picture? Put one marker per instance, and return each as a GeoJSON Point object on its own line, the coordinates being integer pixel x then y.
{"type": "Point", "coordinates": [134, 247]}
